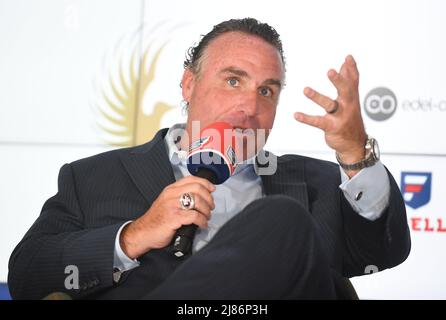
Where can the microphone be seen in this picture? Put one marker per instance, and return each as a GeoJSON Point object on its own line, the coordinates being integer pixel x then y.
{"type": "Point", "coordinates": [211, 157]}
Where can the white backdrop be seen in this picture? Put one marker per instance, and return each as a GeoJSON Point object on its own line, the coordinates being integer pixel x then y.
{"type": "Point", "coordinates": [59, 59]}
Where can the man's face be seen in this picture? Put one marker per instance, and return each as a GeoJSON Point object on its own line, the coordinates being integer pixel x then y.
{"type": "Point", "coordinates": [239, 82]}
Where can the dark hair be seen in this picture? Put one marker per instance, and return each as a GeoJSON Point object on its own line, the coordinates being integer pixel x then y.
{"type": "Point", "coordinates": [247, 25]}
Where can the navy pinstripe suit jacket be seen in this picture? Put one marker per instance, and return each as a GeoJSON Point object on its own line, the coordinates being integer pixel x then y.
{"type": "Point", "coordinates": [96, 195]}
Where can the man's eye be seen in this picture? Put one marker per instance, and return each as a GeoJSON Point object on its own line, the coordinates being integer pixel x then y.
{"type": "Point", "coordinates": [232, 82]}
{"type": "Point", "coordinates": [266, 92]}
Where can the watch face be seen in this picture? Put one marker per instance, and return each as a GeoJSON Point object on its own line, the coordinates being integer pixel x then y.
{"type": "Point", "coordinates": [375, 149]}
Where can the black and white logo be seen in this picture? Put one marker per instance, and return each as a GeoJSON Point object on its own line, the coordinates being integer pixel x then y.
{"type": "Point", "coordinates": [380, 104]}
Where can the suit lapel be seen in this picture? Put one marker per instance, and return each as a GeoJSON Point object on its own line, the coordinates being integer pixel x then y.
{"type": "Point", "coordinates": [149, 167]}
{"type": "Point", "coordinates": [289, 180]}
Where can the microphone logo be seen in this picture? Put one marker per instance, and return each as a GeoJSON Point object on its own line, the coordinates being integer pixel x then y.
{"type": "Point", "coordinates": [200, 143]}
{"type": "Point", "coordinates": [214, 150]}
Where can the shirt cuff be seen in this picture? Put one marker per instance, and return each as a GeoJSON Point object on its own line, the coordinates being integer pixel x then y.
{"type": "Point", "coordinates": [120, 259]}
{"type": "Point", "coordinates": [368, 192]}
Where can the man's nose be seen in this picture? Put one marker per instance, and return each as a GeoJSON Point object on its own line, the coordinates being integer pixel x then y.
{"type": "Point", "coordinates": [249, 104]}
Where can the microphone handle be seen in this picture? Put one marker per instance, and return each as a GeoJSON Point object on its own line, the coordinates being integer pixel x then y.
{"type": "Point", "coordinates": [184, 239]}
{"type": "Point", "coordinates": [184, 236]}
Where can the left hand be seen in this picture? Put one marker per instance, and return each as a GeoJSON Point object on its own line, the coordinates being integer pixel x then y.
{"type": "Point", "coordinates": [344, 129]}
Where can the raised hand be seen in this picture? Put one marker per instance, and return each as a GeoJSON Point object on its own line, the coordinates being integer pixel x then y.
{"type": "Point", "coordinates": [343, 125]}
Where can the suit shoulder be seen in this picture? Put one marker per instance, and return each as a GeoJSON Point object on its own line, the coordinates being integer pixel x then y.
{"type": "Point", "coordinates": [102, 158]}
{"type": "Point", "coordinates": [113, 156]}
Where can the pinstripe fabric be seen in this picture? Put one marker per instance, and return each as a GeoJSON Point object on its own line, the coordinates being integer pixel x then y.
{"type": "Point", "coordinates": [270, 250]}
{"type": "Point", "coordinates": [97, 194]}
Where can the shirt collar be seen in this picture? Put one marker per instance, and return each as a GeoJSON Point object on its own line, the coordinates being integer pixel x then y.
{"type": "Point", "coordinates": [177, 156]}
{"type": "Point", "coordinates": [172, 139]}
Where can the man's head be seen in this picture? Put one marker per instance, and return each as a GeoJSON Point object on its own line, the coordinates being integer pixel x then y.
{"type": "Point", "coordinates": [235, 74]}
{"type": "Point", "coordinates": [249, 26]}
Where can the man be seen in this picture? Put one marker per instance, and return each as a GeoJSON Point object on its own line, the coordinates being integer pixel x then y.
{"type": "Point", "coordinates": [288, 235]}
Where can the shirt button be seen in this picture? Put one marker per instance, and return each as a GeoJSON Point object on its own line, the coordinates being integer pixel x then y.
{"type": "Point", "coordinates": [358, 195]}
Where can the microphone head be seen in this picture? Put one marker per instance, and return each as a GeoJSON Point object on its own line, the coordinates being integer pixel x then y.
{"type": "Point", "coordinates": [214, 151]}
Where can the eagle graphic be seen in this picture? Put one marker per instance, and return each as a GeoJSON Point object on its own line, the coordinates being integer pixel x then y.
{"type": "Point", "coordinates": [128, 125]}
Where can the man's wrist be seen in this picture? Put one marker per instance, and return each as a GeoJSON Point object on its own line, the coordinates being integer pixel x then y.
{"type": "Point", "coordinates": [121, 262]}
{"type": "Point", "coordinates": [128, 241]}
{"type": "Point", "coordinates": [371, 156]}
{"type": "Point", "coordinates": [351, 157]}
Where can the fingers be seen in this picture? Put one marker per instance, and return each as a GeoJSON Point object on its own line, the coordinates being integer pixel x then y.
{"type": "Point", "coordinates": [168, 208]}
{"type": "Point", "coordinates": [192, 179]}
{"type": "Point", "coordinates": [339, 81]}
{"type": "Point", "coordinates": [193, 217]}
{"type": "Point", "coordinates": [203, 206]}
{"type": "Point", "coordinates": [203, 201]}
{"type": "Point", "coordinates": [200, 215]}
{"type": "Point", "coordinates": [314, 121]}
{"type": "Point", "coordinates": [347, 76]}
{"type": "Point", "coordinates": [200, 194]}
{"type": "Point", "coordinates": [346, 83]}
{"type": "Point", "coordinates": [349, 69]}
{"type": "Point", "coordinates": [322, 100]}
{"type": "Point", "coordinates": [352, 68]}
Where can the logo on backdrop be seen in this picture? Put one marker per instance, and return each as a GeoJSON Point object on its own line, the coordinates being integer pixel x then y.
{"type": "Point", "coordinates": [128, 105]}
{"type": "Point", "coordinates": [380, 104]}
{"type": "Point", "coordinates": [416, 188]}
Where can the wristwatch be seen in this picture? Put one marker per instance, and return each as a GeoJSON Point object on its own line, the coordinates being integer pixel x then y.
{"type": "Point", "coordinates": [371, 156]}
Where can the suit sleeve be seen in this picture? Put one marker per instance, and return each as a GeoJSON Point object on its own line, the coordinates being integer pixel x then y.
{"type": "Point", "coordinates": [57, 240]}
{"type": "Point", "coordinates": [382, 243]}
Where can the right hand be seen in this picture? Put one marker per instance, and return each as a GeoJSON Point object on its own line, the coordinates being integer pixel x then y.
{"type": "Point", "coordinates": [156, 228]}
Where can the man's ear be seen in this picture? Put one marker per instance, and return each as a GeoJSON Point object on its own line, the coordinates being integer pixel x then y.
{"type": "Point", "coordinates": [187, 84]}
